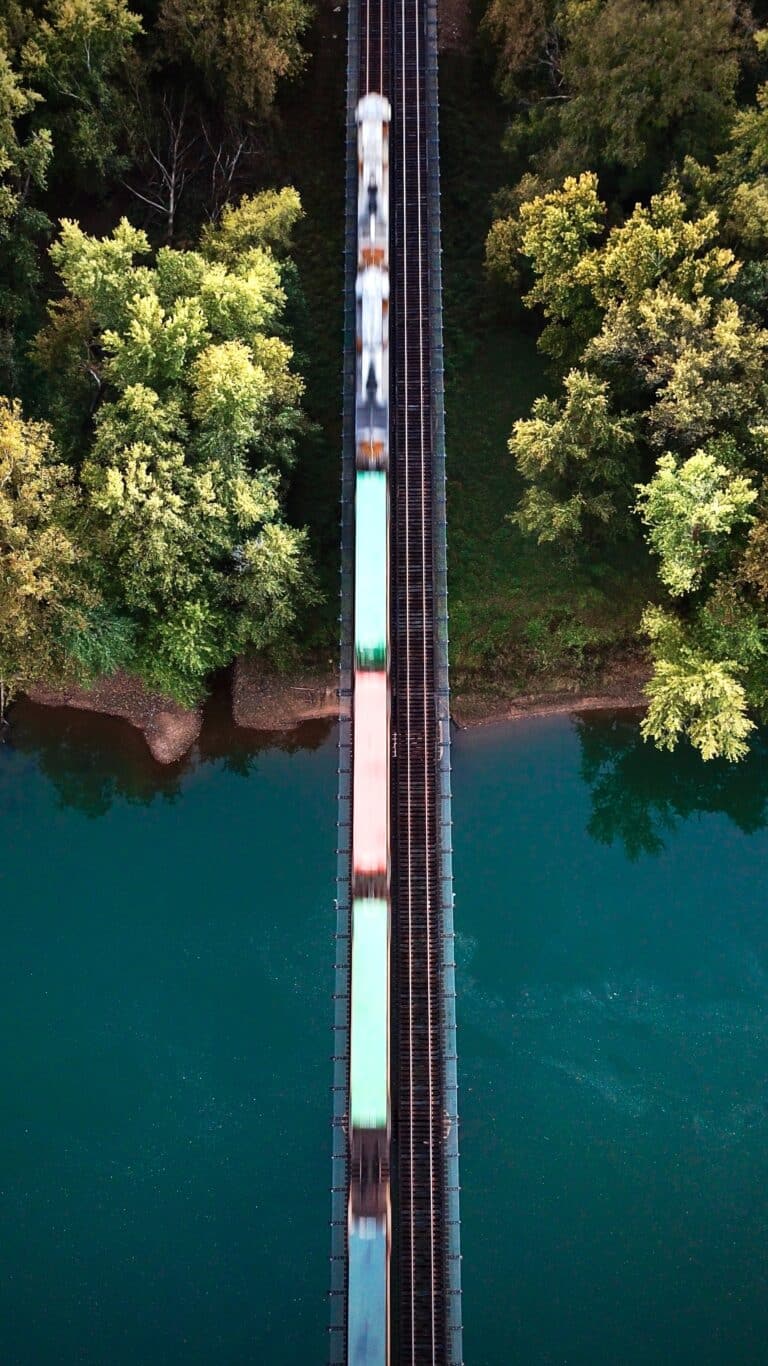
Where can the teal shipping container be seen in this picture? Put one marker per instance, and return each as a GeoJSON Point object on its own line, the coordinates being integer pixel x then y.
{"type": "Point", "coordinates": [369, 1053]}
{"type": "Point", "coordinates": [371, 573]}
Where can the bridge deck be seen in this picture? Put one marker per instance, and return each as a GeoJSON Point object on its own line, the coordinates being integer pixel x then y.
{"type": "Point", "coordinates": [392, 49]}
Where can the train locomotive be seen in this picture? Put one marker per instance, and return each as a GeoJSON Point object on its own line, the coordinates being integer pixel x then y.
{"type": "Point", "coordinates": [369, 1216]}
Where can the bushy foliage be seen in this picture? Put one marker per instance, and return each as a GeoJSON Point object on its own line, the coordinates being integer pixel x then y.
{"type": "Point", "coordinates": [24, 162]}
{"type": "Point", "coordinates": [242, 48]}
{"type": "Point", "coordinates": [40, 588]}
{"type": "Point", "coordinates": [694, 695]}
{"type": "Point", "coordinates": [655, 314]}
{"type": "Point", "coordinates": [198, 407]}
{"type": "Point", "coordinates": [623, 86]}
{"type": "Point", "coordinates": [77, 55]}
{"type": "Point", "coordinates": [577, 458]}
{"type": "Point", "coordinates": [143, 481]}
{"type": "Point", "coordinates": [690, 509]}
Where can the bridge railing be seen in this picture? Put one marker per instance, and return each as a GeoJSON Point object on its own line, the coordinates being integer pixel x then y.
{"type": "Point", "coordinates": [341, 1025]}
{"type": "Point", "coordinates": [454, 1343]}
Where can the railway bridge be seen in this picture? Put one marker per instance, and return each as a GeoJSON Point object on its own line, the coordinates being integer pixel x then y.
{"type": "Point", "coordinates": [401, 1303]}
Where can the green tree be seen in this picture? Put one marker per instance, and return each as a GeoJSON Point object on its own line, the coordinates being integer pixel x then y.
{"type": "Point", "coordinates": [577, 457]}
{"type": "Point", "coordinates": [693, 695]}
{"type": "Point", "coordinates": [703, 363]}
{"type": "Point", "coordinates": [555, 232]}
{"type": "Point", "coordinates": [77, 55]}
{"type": "Point", "coordinates": [691, 508]}
{"type": "Point", "coordinates": [649, 80]}
{"type": "Point", "coordinates": [198, 408]}
{"type": "Point", "coordinates": [242, 49]}
{"type": "Point", "coordinates": [665, 324]}
{"type": "Point", "coordinates": [626, 87]}
{"type": "Point", "coordinates": [39, 586]}
{"type": "Point", "coordinates": [528, 34]}
{"type": "Point", "coordinates": [24, 161]}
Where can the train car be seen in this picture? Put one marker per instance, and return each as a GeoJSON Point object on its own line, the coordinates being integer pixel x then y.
{"type": "Point", "coordinates": [373, 116]}
{"type": "Point", "coordinates": [369, 1120]}
{"type": "Point", "coordinates": [368, 1263]}
{"type": "Point", "coordinates": [372, 379]}
{"type": "Point", "coordinates": [370, 785]}
{"type": "Point", "coordinates": [371, 569]}
{"type": "Point", "coordinates": [372, 293]}
{"type": "Point", "coordinates": [369, 1042]}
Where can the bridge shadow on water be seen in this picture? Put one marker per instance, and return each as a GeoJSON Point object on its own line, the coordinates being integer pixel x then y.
{"type": "Point", "coordinates": [93, 760]}
{"type": "Point", "coordinates": [639, 794]}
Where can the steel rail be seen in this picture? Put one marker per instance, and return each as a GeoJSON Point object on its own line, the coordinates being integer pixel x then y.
{"type": "Point", "coordinates": [420, 1235]}
{"type": "Point", "coordinates": [393, 52]}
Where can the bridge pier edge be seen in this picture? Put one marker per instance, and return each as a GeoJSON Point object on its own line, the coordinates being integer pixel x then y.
{"type": "Point", "coordinates": [442, 702]}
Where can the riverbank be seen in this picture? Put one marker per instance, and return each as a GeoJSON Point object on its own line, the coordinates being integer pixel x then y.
{"type": "Point", "coordinates": [258, 700]}
{"type": "Point", "coordinates": [264, 702]}
{"type": "Point", "coordinates": [620, 688]}
{"type": "Point", "coordinates": [169, 729]}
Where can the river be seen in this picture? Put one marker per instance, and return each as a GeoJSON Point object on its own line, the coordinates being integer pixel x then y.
{"type": "Point", "coordinates": [165, 988]}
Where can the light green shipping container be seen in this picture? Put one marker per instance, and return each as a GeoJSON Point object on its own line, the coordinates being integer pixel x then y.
{"type": "Point", "coordinates": [369, 1063]}
{"type": "Point", "coordinates": [371, 569]}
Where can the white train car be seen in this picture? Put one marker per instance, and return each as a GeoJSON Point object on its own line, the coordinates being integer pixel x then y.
{"type": "Point", "coordinates": [372, 287]}
{"type": "Point", "coordinates": [373, 119]}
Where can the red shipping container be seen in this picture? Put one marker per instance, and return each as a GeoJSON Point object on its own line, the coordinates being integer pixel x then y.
{"type": "Point", "coordinates": [370, 804]}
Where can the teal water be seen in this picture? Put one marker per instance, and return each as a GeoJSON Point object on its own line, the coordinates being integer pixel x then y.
{"type": "Point", "coordinates": [165, 1013]}
{"type": "Point", "coordinates": [165, 985]}
{"type": "Point", "coordinates": [613, 942]}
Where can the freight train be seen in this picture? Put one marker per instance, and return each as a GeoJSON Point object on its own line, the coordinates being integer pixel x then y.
{"type": "Point", "coordinates": [369, 1214]}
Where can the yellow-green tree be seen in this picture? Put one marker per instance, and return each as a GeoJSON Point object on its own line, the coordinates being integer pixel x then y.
{"type": "Point", "coordinates": [670, 383]}
{"type": "Point", "coordinates": [198, 413]}
{"type": "Point", "coordinates": [24, 160]}
{"type": "Point", "coordinates": [39, 558]}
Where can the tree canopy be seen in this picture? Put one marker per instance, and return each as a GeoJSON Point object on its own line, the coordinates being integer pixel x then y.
{"type": "Point", "coordinates": [622, 86]}
{"type": "Point", "coordinates": [150, 401]}
{"type": "Point", "coordinates": [40, 586]}
{"type": "Point", "coordinates": [654, 317]}
{"type": "Point", "coordinates": [188, 411]}
{"type": "Point", "coordinates": [242, 48]}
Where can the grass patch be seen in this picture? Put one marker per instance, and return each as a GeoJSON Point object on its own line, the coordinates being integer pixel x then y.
{"type": "Point", "coordinates": [522, 617]}
{"type": "Point", "coordinates": [312, 150]}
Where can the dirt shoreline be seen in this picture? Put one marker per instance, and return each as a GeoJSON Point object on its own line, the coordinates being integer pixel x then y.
{"type": "Point", "coordinates": [468, 712]}
{"type": "Point", "coordinates": [269, 702]}
{"type": "Point", "coordinates": [621, 688]}
{"type": "Point", "coordinates": [169, 729]}
{"type": "Point", "coordinates": [262, 700]}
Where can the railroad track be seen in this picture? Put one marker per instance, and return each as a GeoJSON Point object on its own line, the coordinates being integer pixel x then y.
{"type": "Point", "coordinates": [390, 54]}
{"type": "Point", "coordinates": [419, 1234]}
